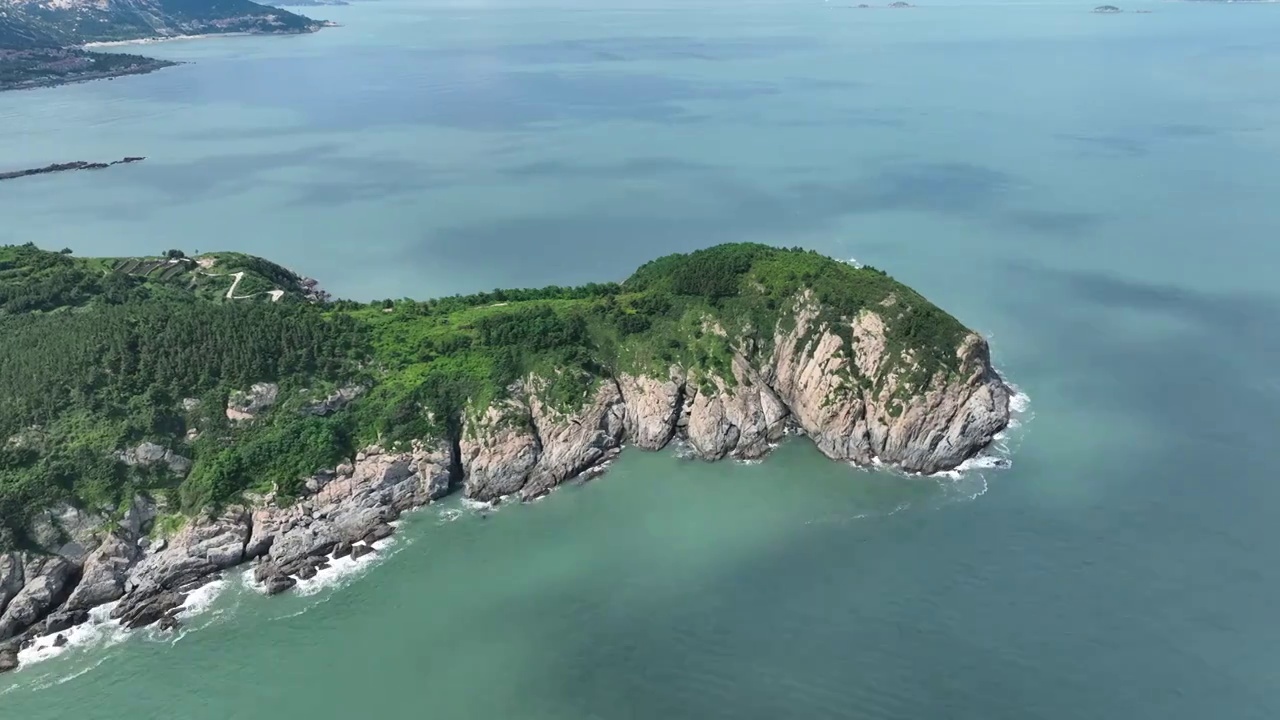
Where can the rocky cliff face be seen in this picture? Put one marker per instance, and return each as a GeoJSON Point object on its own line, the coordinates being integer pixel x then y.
{"type": "Point", "coordinates": [850, 416]}
{"type": "Point", "coordinates": [45, 582]}
{"type": "Point", "coordinates": [840, 393]}
{"type": "Point", "coordinates": [736, 416]}
{"type": "Point", "coordinates": [842, 382]}
{"type": "Point", "coordinates": [525, 446]}
{"type": "Point", "coordinates": [349, 507]}
{"type": "Point", "coordinates": [654, 407]}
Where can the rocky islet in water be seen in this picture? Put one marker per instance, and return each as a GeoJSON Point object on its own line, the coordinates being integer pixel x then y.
{"type": "Point", "coordinates": [69, 166]}
{"type": "Point", "coordinates": [367, 410]}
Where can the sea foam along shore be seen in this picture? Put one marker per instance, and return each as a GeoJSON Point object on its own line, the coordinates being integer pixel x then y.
{"type": "Point", "coordinates": [103, 631]}
{"type": "Point", "coordinates": [174, 38]}
{"type": "Point", "coordinates": [159, 39]}
{"type": "Point", "coordinates": [100, 630]}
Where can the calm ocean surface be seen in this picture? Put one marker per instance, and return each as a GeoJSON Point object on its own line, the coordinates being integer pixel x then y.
{"type": "Point", "coordinates": [1096, 193]}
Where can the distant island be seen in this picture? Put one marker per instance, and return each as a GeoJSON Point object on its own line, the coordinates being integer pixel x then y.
{"type": "Point", "coordinates": [42, 43]}
{"type": "Point", "coordinates": [164, 419]}
{"type": "Point", "coordinates": [1107, 9]}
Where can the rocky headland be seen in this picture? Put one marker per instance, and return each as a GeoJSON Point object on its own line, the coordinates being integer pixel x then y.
{"type": "Point", "coordinates": [857, 384]}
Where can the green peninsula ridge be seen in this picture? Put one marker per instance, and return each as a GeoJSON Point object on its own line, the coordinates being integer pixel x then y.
{"type": "Point", "coordinates": [230, 407]}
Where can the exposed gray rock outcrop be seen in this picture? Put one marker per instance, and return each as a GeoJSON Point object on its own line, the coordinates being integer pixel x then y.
{"type": "Point", "coordinates": [11, 578]}
{"type": "Point", "coordinates": [192, 557]}
{"type": "Point", "coordinates": [46, 580]}
{"type": "Point", "coordinates": [8, 658]}
{"type": "Point", "coordinates": [346, 507]}
{"type": "Point", "coordinates": [574, 442]}
{"type": "Point", "coordinates": [849, 418]}
{"type": "Point", "coordinates": [653, 407]}
{"type": "Point", "coordinates": [248, 405]}
{"type": "Point", "coordinates": [105, 573]}
{"type": "Point", "coordinates": [526, 446]}
{"type": "Point", "coordinates": [149, 454]}
{"type": "Point", "coordinates": [335, 401]}
{"type": "Point", "coordinates": [66, 530]}
{"type": "Point", "coordinates": [740, 419]}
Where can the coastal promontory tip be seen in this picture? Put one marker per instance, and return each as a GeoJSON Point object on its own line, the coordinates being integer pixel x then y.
{"type": "Point", "coordinates": [239, 414]}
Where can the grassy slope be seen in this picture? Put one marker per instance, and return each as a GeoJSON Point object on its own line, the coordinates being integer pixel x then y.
{"type": "Point", "coordinates": [99, 359]}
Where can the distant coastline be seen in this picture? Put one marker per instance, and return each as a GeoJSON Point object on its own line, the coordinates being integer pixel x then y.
{"type": "Point", "coordinates": [57, 45]}
{"type": "Point", "coordinates": [48, 67]}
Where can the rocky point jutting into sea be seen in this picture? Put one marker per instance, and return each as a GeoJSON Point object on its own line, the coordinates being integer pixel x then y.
{"type": "Point", "coordinates": [865, 386]}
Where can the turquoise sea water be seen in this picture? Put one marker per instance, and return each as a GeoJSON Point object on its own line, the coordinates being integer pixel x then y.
{"type": "Point", "coordinates": [1096, 193]}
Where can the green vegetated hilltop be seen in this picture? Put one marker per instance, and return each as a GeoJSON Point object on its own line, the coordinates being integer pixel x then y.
{"type": "Point", "coordinates": [102, 354]}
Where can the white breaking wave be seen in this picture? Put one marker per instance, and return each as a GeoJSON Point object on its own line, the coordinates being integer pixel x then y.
{"type": "Point", "coordinates": [449, 514]}
{"type": "Point", "coordinates": [201, 599]}
{"type": "Point", "coordinates": [339, 570]}
{"type": "Point", "coordinates": [343, 569]}
{"type": "Point", "coordinates": [969, 480]}
{"type": "Point", "coordinates": [99, 631]}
